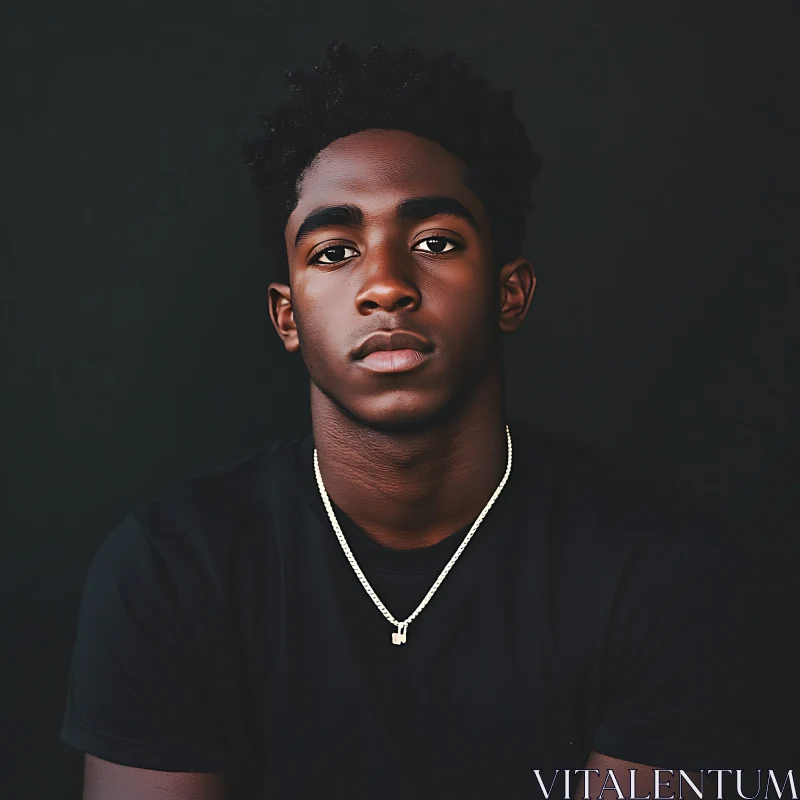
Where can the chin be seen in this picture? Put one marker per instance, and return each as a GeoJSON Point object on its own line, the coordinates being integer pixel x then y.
{"type": "Point", "coordinates": [400, 411]}
{"type": "Point", "coordinates": [401, 415]}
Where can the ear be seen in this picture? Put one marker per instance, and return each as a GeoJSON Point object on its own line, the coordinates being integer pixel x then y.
{"type": "Point", "coordinates": [281, 313]}
{"type": "Point", "coordinates": [517, 284]}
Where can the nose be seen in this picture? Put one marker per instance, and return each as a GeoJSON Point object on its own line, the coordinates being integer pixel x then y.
{"type": "Point", "coordinates": [388, 284]}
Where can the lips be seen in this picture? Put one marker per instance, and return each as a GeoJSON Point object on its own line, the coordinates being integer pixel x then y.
{"type": "Point", "coordinates": [392, 340]}
{"type": "Point", "coordinates": [392, 351]}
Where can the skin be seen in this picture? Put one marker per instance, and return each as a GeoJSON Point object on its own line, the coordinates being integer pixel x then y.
{"type": "Point", "coordinates": [410, 457]}
{"type": "Point", "coordinates": [104, 780]}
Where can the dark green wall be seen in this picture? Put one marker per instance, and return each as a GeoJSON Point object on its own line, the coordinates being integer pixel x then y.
{"type": "Point", "coordinates": [132, 302]}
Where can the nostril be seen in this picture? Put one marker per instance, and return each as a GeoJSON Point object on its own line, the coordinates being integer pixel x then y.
{"type": "Point", "coordinates": [386, 300]}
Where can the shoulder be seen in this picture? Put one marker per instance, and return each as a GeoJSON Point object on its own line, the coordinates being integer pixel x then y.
{"type": "Point", "coordinates": [224, 492]}
{"type": "Point", "coordinates": [189, 532]}
{"type": "Point", "coordinates": [607, 506]}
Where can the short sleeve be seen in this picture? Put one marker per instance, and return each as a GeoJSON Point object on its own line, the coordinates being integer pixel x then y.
{"type": "Point", "coordinates": [678, 658]}
{"type": "Point", "coordinates": [140, 685]}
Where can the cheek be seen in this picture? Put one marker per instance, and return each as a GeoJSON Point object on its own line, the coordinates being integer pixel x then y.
{"type": "Point", "coordinates": [467, 317]}
{"type": "Point", "coordinates": [318, 294]}
{"type": "Point", "coordinates": [319, 328]}
{"type": "Point", "coordinates": [464, 304]}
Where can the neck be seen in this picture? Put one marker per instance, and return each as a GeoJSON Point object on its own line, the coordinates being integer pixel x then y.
{"type": "Point", "coordinates": [412, 489]}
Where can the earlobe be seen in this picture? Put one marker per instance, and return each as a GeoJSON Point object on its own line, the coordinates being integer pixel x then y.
{"type": "Point", "coordinates": [518, 282]}
{"type": "Point", "coordinates": [281, 313]}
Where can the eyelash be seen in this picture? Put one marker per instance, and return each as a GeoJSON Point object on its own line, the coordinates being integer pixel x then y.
{"type": "Point", "coordinates": [456, 246]}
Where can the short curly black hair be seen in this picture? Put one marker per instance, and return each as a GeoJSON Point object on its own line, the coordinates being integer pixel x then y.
{"type": "Point", "coordinates": [436, 97]}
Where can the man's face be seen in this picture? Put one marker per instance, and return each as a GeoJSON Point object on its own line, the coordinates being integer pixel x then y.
{"type": "Point", "coordinates": [386, 237]}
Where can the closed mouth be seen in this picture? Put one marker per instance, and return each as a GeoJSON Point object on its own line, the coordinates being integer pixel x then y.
{"type": "Point", "coordinates": [393, 360]}
{"type": "Point", "coordinates": [392, 341]}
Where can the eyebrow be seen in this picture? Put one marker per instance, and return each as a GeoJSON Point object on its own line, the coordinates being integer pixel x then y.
{"type": "Point", "coordinates": [327, 216]}
{"type": "Point", "coordinates": [415, 209]}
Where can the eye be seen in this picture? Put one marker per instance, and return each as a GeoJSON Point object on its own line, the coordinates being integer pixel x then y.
{"type": "Point", "coordinates": [333, 254]}
{"type": "Point", "coordinates": [436, 245]}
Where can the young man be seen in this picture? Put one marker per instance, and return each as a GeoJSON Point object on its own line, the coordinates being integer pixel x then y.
{"type": "Point", "coordinates": [419, 598]}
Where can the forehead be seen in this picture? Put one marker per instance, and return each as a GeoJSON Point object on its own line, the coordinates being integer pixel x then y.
{"type": "Point", "coordinates": [376, 169]}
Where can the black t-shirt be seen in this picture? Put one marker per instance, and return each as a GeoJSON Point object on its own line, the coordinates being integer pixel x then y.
{"type": "Point", "coordinates": [222, 629]}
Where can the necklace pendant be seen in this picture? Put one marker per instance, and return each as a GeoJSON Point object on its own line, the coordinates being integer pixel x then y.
{"type": "Point", "coordinates": [399, 637]}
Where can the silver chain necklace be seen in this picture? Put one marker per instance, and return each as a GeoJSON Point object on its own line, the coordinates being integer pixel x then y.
{"type": "Point", "coordinates": [399, 636]}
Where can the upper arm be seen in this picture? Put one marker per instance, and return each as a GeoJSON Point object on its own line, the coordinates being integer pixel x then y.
{"type": "Point", "coordinates": [142, 683]}
{"type": "Point", "coordinates": [635, 780]}
{"type": "Point", "coordinates": [104, 780]}
{"type": "Point", "coordinates": [676, 660]}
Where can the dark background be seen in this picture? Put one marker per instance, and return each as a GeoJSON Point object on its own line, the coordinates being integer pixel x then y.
{"type": "Point", "coordinates": [137, 348]}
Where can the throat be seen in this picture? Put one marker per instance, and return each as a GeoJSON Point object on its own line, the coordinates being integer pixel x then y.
{"type": "Point", "coordinates": [410, 515]}
{"type": "Point", "coordinates": [412, 491]}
